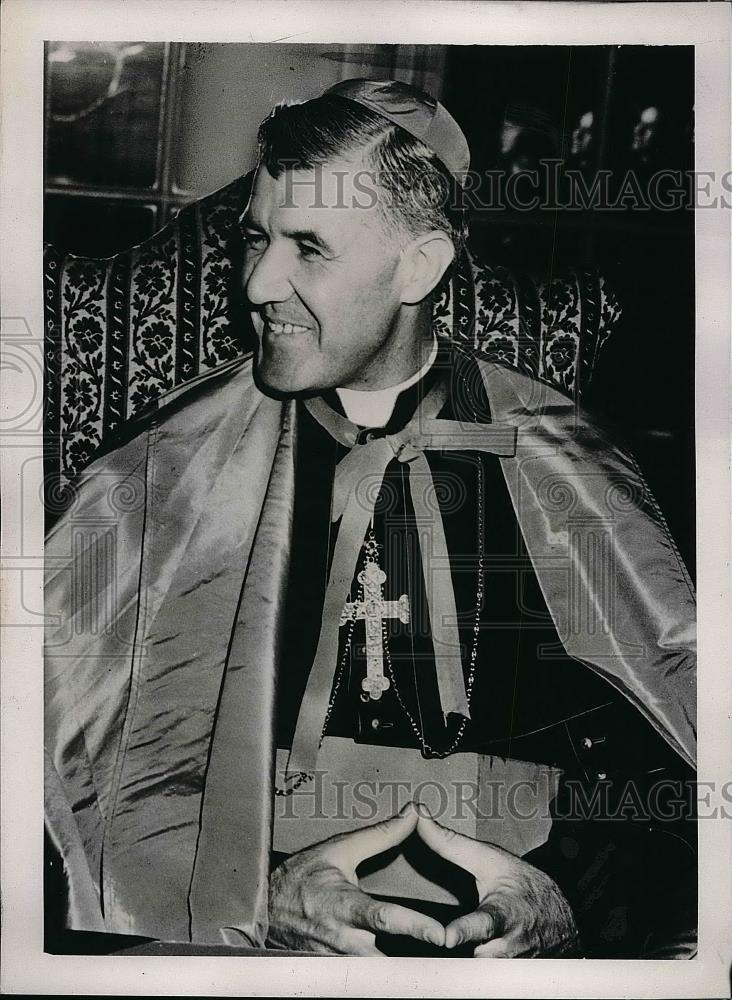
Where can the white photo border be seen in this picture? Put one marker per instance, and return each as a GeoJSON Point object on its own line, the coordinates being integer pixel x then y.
{"type": "Point", "coordinates": [25, 26]}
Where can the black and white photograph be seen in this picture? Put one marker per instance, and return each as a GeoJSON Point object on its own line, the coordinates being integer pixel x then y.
{"type": "Point", "coordinates": [374, 487]}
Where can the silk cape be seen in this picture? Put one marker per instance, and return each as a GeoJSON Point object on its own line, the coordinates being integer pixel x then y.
{"type": "Point", "coordinates": [165, 584]}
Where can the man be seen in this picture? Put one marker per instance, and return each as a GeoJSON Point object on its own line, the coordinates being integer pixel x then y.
{"type": "Point", "coordinates": [364, 552]}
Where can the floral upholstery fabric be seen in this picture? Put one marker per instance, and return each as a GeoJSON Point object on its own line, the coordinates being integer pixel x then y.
{"type": "Point", "coordinates": [123, 331]}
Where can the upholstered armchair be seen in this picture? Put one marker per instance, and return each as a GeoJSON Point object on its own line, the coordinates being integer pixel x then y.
{"type": "Point", "coordinates": [123, 331]}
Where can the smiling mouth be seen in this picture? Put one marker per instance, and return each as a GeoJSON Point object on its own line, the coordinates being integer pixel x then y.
{"type": "Point", "coordinates": [284, 328]}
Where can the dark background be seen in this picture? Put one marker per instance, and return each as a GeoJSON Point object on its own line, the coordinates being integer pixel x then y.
{"type": "Point", "coordinates": [135, 130]}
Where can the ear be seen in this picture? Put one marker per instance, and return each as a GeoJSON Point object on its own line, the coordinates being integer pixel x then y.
{"type": "Point", "coordinates": [424, 261]}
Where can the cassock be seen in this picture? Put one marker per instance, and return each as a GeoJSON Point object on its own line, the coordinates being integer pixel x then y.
{"type": "Point", "coordinates": [191, 580]}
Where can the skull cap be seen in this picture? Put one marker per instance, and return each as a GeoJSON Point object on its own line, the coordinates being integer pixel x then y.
{"type": "Point", "coordinates": [417, 113]}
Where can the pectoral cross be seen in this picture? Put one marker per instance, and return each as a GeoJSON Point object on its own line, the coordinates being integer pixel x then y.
{"type": "Point", "coordinates": [374, 609]}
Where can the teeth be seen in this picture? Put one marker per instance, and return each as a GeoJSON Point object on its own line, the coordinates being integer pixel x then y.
{"type": "Point", "coordinates": [285, 327]}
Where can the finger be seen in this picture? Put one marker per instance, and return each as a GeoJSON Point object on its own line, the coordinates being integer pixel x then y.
{"type": "Point", "coordinates": [339, 941]}
{"type": "Point", "coordinates": [349, 850]}
{"type": "Point", "coordinates": [472, 855]}
{"type": "Point", "coordinates": [476, 926]}
{"type": "Point", "coordinates": [353, 941]}
{"type": "Point", "coordinates": [391, 918]}
{"type": "Point", "coordinates": [352, 907]}
{"type": "Point", "coordinates": [497, 948]}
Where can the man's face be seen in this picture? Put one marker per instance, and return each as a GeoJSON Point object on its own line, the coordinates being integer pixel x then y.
{"type": "Point", "coordinates": [322, 278]}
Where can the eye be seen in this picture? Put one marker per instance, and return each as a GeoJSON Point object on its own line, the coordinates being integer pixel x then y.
{"type": "Point", "coordinates": [254, 241]}
{"type": "Point", "coordinates": [308, 252]}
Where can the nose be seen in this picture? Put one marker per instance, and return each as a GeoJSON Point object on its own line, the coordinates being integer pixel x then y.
{"type": "Point", "coordinates": [266, 279]}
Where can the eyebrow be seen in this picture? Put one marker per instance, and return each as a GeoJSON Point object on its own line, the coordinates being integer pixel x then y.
{"type": "Point", "coordinates": [248, 222]}
{"type": "Point", "coordinates": [299, 235]}
{"type": "Point", "coordinates": [309, 236]}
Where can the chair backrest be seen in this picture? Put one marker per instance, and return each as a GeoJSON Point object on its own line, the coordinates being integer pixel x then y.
{"type": "Point", "coordinates": [122, 331]}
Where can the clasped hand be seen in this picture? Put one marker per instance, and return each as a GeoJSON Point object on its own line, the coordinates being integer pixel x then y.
{"type": "Point", "coordinates": [316, 904]}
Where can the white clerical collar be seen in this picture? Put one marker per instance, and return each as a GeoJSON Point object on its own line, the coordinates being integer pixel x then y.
{"type": "Point", "coordinates": [374, 407]}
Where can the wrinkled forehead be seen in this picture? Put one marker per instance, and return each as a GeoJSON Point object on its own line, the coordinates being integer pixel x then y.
{"type": "Point", "coordinates": [341, 193]}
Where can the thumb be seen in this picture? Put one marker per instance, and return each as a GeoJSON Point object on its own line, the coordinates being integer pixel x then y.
{"type": "Point", "coordinates": [353, 848]}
